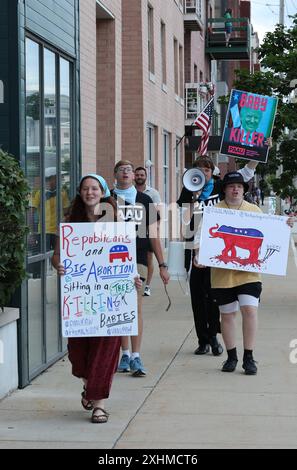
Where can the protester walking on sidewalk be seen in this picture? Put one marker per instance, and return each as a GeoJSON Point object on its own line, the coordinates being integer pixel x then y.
{"type": "Point", "coordinates": [94, 359]}
{"type": "Point", "coordinates": [234, 289]}
{"type": "Point", "coordinates": [141, 186]}
{"type": "Point", "coordinates": [137, 207]}
{"type": "Point", "coordinates": [205, 311]}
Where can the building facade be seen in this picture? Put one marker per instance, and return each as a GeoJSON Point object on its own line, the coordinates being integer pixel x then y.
{"type": "Point", "coordinates": [84, 84]}
{"type": "Point", "coordinates": [153, 90]}
{"type": "Point", "coordinates": [40, 126]}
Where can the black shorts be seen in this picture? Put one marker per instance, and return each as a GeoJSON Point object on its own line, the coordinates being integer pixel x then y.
{"type": "Point", "coordinates": [229, 295]}
{"type": "Point", "coordinates": [150, 249]}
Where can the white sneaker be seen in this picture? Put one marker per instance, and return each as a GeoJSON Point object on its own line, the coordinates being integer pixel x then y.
{"type": "Point", "coordinates": [147, 291]}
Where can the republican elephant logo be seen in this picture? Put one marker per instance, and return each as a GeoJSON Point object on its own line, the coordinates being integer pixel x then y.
{"type": "Point", "coordinates": [119, 252]}
{"type": "Point", "coordinates": [249, 239]}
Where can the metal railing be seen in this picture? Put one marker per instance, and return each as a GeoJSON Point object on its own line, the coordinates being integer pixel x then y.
{"type": "Point", "coordinates": [240, 36]}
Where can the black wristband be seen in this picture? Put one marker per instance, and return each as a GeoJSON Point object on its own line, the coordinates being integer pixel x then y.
{"type": "Point", "coordinates": [163, 265]}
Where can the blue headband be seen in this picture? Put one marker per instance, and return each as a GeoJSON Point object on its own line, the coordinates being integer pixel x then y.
{"type": "Point", "coordinates": [101, 181]}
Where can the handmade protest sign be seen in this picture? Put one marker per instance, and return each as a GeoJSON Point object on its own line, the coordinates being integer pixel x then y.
{"type": "Point", "coordinates": [249, 122]}
{"type": "Point", "coordinates": [98, 295]}
{"type": "Point", "coordinates": [244, 241]}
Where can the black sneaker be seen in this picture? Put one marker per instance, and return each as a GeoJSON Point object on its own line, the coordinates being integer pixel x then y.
{"type": "Point", "coordinates": [229, 365]}
{"type": "Point", "coordinates": [216, 347]}
{"type": "Point", "coordinates": [202, 349]}
{"type": "Point", "coordinates": [249, 366]}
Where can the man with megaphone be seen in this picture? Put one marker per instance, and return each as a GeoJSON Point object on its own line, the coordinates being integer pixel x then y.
{"type": "Point", "coordinates": [202, 188]}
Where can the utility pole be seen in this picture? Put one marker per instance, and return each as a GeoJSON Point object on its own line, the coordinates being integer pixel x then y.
{"type": "Point", "coordinates": [282, 12]}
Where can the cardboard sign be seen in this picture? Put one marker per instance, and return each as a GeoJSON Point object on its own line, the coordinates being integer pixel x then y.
{"type": "Point", "coordinates": [244, 241]}
{"type": "Point", "coordinates": [249, 122]}
{"type": "Point", "coordinates": [98, 295]}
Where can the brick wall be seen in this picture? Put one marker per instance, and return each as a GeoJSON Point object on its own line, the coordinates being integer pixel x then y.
{"type": "Point", "coordinates": [132, 98]}
{"type": "Point", "coordinates": [144, 99]}
{"type": "Point", "coordinates": [162, 108]}
{"type": "Point", "coordinates": [109, 90]}
{"type": "Point", "coordinates": [118, 98]}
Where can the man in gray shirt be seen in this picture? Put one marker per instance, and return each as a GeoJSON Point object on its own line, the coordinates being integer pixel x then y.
{"type": "Point", "coordinates": [140, 184]}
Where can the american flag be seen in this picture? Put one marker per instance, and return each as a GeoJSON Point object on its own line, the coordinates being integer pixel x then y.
{"type": "Point", "coordinates": [203, 121]}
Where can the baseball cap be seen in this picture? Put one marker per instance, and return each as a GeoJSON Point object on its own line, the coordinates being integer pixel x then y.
{"type": "Point", "coordinates": [50, 171]}
{"type": "Point", "coordinates": [101, 181]}
{"type": "Point", "coordinates": [234, 177]}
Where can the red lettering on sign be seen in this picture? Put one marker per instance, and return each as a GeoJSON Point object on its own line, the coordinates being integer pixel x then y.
{"type": "Point", "coordinates": [67, 230]}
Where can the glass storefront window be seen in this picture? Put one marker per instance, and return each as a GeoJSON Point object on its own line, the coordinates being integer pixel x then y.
{"type": "Point", "coordinates": [52, 311]}
{"type": "Point", "coordinates": [49, 150]}
{"type": "Point", "coordinates": [33, 167]}
{"type": "Point", "coordinates": [35, 321]}
{"type": "Point", "coordinates": [65, 133]}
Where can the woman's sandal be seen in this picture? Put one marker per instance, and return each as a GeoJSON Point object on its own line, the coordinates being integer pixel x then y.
{"type": "Point", "coordinates": [102, 418]}
{"type": "Point", "coordinates": [86, 404]}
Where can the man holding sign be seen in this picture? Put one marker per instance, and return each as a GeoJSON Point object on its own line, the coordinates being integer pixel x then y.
{"type": "Point", "coordinates": [233, 289]}
{"type": "Point", "coordinates": [137, 207]}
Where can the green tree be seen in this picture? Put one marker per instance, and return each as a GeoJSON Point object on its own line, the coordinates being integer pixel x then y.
{"type": "Point", "coordinates": [14, 191]}
{"type": "Point", "coordinates": [278, 57]}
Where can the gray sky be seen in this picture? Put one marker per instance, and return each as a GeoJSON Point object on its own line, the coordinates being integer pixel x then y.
{"type": "Point", "coordinates": [265, 14]}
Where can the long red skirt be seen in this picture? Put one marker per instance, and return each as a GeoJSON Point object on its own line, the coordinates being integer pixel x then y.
{"type": "Point", "coordinates": [95, 359]}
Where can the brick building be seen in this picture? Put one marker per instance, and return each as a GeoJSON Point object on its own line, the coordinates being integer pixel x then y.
{"type": "Point", "coordinates": [84, 84]}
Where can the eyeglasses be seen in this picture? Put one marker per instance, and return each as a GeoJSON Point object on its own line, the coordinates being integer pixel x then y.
{"type": "Point", "coordinates": [123, 169]}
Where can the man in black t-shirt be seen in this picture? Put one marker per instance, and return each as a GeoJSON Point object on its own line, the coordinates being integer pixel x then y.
{"type": "Point", "coordinates": [205, 311]}
{"type": "Point", "coordinates": [137, 207]}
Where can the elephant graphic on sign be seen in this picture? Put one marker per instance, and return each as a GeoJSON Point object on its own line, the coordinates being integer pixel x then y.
{"type": "Point", "coordinates": [249, 239]}
{"type": "Point", "coordinates": [119, 252]}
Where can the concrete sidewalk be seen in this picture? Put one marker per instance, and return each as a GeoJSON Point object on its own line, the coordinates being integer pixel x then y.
{"type": "Point", "coordinates": [185, 401]}
{"type": "Point", "coordinates": [195, 405]}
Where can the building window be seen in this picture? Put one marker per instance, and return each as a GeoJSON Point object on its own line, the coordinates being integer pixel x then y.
{"type": "Point", "coordinates": [181, 72]}
{"type": "Point", "coordinates": [50, 145]}
{"type": "Point", "coordinates": [194, 6]}
{"type": "Point", "coordinates": [176, 64]}
{"type": "Point", "coordinates": [177, 167]}
{"type": "Point", "coordinates": [48, 140]}
{"type": "Point", "coordinates": [192, 101]}
{"type": "Point", "coordinates": [166, 167]}
{"type": "Point", "coordinates": [150, 36]}
{"type": "Point", "coordinates": [33, 161]}
{"type": "Point", "coordinates": [166, 188]}
{"type": "Point", "coordinates": [65, 126]}
{"type": "Point", "coordinates": [195, 73]}
{"type": "Point", "coordinates": [150, 154]}
{"type": "Point", "coordinates": [49, 150]}
{"type": "Point", "coordinates": [163, 53]}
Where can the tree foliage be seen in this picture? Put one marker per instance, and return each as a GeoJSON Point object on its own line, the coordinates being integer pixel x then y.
{"type": "Point", "coordinates": [278, 58]}
{"type": "Point", "coordinates": [14, 192]}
